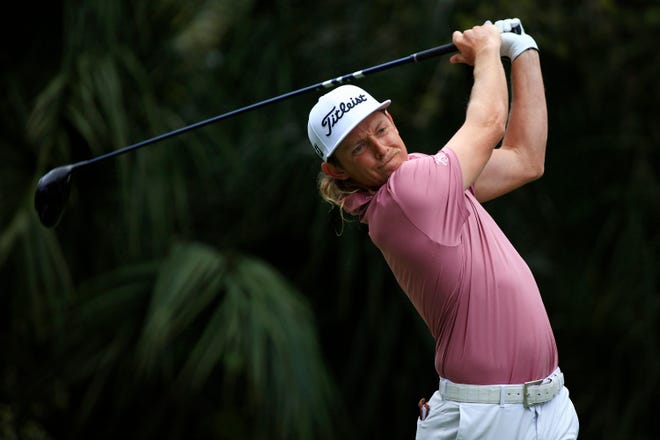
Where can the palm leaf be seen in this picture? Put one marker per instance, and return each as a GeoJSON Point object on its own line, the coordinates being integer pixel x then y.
{"type": "Point", "coordinates": [200, 317]}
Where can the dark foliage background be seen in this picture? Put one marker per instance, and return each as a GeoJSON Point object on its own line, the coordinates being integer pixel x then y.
{"type": "Point", "coordinates": [200, 288]}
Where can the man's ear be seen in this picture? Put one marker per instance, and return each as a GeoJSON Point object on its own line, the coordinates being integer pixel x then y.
{"type": "Point", "coordinates": [334, 171]}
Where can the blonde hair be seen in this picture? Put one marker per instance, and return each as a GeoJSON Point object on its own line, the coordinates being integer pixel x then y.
{"type": "Point", "coordinates": [334, 191]}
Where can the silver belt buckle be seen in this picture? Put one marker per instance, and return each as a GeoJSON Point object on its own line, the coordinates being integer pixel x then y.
{"type": "Point", "coordinates": [526, 403]}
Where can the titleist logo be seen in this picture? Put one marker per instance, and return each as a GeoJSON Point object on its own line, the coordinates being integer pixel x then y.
{"type": "Point", "coordinates": [334, 115]}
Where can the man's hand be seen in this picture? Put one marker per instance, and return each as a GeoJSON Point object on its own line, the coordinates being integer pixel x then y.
{"type": "Point", "coordinates": [473, 41]}
{"type": "Point", "coordinates": [514, 44]}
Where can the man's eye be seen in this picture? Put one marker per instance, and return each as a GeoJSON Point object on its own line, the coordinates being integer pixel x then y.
{"type": "Point", "coordinates": [358, 148]}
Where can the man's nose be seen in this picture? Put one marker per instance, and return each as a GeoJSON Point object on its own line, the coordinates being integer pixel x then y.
{"type": "Point", "coordinates": [379, 148]}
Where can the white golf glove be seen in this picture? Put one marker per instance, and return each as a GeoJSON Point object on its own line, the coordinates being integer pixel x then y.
{"type": "Point", "coordinates": [513, 43]}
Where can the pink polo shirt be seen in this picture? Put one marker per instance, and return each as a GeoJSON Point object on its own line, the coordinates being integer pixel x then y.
{"type": "Point", "coordinates": [476, 294]}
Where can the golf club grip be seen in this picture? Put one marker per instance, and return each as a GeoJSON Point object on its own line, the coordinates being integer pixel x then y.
{"type": "Point", "coordinates": [447, 48]}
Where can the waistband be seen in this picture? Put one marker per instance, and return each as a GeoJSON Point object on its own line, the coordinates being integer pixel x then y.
{"type": "Point", "coordinates": [529, 393]}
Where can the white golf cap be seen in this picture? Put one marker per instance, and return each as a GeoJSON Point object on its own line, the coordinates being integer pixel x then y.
{"type": "Point", "coordinates": [337, 113]}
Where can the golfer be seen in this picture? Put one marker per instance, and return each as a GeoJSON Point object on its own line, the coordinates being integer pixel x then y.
{"type": "Point", "coordinates": [495, 352]}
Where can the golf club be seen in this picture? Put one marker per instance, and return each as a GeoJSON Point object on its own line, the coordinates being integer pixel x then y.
{"type": "Point", "coordinates": [53, 188]}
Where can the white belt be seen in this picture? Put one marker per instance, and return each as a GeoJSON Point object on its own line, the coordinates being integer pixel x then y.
{"type": "Point", "coordinates": [529, 393]}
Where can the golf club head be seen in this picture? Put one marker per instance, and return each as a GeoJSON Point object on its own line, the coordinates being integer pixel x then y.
{"type": "Point", "coordinates": [52, 194]}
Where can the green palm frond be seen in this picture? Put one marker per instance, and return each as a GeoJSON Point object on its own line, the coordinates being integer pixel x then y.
{"type": "Point", "coordinates": [33, 254]}
{"type": "Point", "coordinates": [185, 284]}
{"type": "Point", "coordinates": [198, 317]}
{"type": "Point", "coordinates": [274, 325]}
{"type": "Point", "coordinates": [254, 324]}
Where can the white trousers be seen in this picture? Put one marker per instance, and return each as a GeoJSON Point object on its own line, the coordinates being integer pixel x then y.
{"type": "Point", "coordinates": [553, 420]}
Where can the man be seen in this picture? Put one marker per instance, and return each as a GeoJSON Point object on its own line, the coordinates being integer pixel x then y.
{"type": "Point", "coordinates": [495, 350]}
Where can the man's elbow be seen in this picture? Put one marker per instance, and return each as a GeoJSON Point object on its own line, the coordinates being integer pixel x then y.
{"type": "Point", "coordinates": [535, 171]}
{"type": "Point", "coordinates": [531, 161]}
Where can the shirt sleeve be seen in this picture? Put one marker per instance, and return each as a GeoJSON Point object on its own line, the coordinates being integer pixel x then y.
{"type": "Point", "coordinates": [429, 191]}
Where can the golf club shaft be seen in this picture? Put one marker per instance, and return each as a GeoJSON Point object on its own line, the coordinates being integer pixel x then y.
{"type": "Point", "coordinates": [413, 58]}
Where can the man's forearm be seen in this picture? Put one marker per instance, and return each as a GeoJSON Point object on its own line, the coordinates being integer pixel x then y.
{"type": "Point", "coordinates": [489, 98]}
{"type": "Point", "coordinates": [527, 130]}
